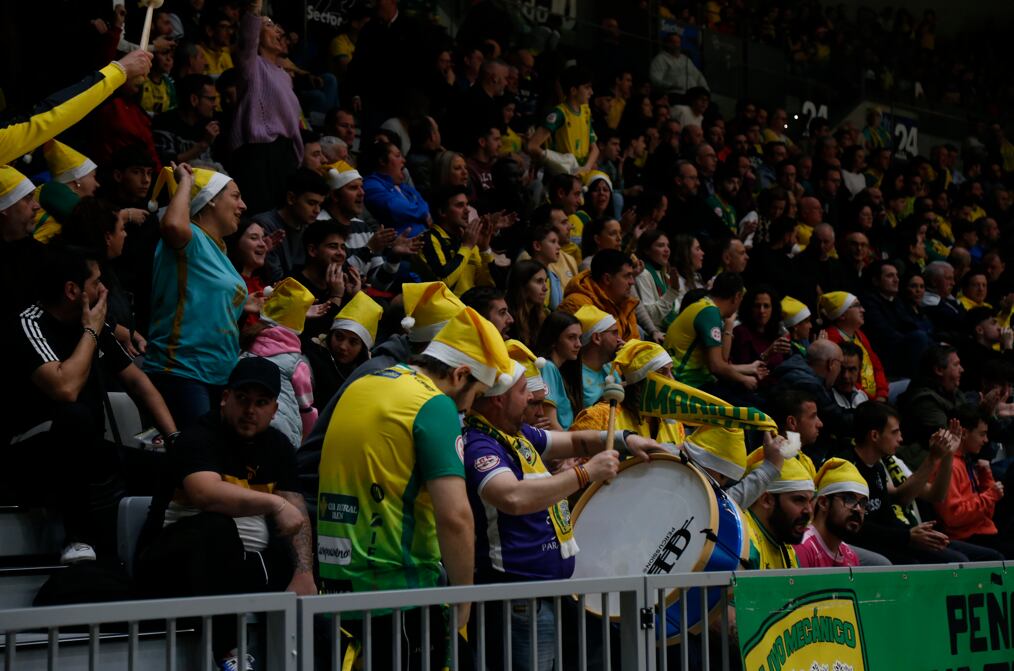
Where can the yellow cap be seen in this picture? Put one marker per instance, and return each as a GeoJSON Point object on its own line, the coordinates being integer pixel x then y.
{"type": "Point", "coordinates": [793, 312]}
{"type": "Point", "coordinates": [13, 186]}
{"type": "Point", "coordinates": [533, 365]}
{"type": "Point", "coordinates": [835, 303]}
{"type": "Point", "coordinates": [718, 448]}
{"type": "Point", "coordinates": [838, 476]}
{"type": "Point", "coordinates": [428, 308]}
{"type": "Point", "coordinates": [286, 305]}
{"type": "Point", "coordinates": [793, 478]}
{"type": "Point", "coordinates": [65, 163]}
{"type": "Point", "coordinates": [207, 185]}
{"type": "Point", "coordinates": [470, 340]}
{"type": "Point", "coordinates": [593, 321]}
{"type": "Point", "coordinates": [361, 315]}
{"type": "Point", "coordinates": [637, 358]}
{"type": "Point", "coordinates": [594, 176]}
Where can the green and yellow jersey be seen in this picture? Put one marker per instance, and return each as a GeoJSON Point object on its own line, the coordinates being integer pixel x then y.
{"type": "Point", "coordinates": [697, 328]}
{"type": "Point", "coordinates": [765, 552]}
{"type": "Point", "coordinates": [570, 131]}
{"type": "Point", "coordinates": [391, 433]}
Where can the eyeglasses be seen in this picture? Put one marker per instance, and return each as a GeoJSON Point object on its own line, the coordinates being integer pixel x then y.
{"type": "Point", "coordinates": [855, 502]}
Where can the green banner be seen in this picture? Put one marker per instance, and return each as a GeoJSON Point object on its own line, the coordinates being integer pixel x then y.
{"type": "Point", "coordinates": [935, 620]}
{"type": "Point", "coordinates": [667, 398]}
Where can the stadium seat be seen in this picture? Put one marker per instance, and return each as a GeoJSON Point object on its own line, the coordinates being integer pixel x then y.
{"type": "Point", "coordinates": [127, 416]}
{"type": "Point", "coordinates": [132, 513]}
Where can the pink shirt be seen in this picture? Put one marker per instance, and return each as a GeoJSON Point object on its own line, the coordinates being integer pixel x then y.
{"type": "Point", "coordinates": [813, 552]}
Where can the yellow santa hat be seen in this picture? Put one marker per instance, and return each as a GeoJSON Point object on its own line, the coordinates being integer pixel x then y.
{"type": "Point", "coordinates": [718, 448]}
{"type": "Point", "coordinates": [637, 358]}
{"type": "Point", "coordinates": [340, 174]}
{"type": "Point", "coordinates": [470, 340]}
{"type": "Point", "coordinates": [286, 305]}
{"type": "Point", "coordinates": [361, 315]}
{"type": "Point", "coordinates": [593, 321]}
{"type": "Point", "coordinates": [65, 163]}
{"type": "Point", "coordinates": [793, 478]}
{"type": "Point", "coordinates": [533, 365]}
{"type": "Point", "coordinates": [13, 186]}
{"type": "Point", "coordinates": [428, 308]}
{"type": "Point", "coordinates": [835, 303]}
{"type": "Point", "coordinates": [838, 476]}
{"type": "Point", "coordinates": [594, 176]}
{"type": "Point", "coordinates": [793, 312]}
{"type": "Point", "coordinates": [207, 185]}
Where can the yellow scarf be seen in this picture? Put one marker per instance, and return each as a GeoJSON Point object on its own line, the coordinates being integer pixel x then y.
{"type": "Point", "coordinates": [531, 467]}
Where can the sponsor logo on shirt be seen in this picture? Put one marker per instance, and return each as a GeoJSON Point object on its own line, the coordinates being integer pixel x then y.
{"type": "Point", "coordinates": [552, 117]}
{"type": "Point", "coordinates": [334, 550]}
{"type": "Point", "coordinates": [486, 463]}
{"type": "Point", "coordinates": [716, 333]}
{"type": "Point", "coordinates": [338, 508]}
{"type": "Point", "coordinates": [459, 446]}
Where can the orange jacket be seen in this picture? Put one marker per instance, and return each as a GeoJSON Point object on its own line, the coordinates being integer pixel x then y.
{"type": "Point", "coordinates": [966, 512]}
{"type": "Point", "coordinates": [583, 290]}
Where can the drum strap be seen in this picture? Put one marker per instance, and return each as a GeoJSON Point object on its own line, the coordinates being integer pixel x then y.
{"type": "Point", "coordinates": [529, 461]}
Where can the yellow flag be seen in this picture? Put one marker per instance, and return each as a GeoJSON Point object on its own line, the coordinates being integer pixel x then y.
{"type": "Point", "coordinates": [669, 399]}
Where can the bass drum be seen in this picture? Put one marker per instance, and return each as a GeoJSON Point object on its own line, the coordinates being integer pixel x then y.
{"type": "Point", "coordinates": [659, 518]}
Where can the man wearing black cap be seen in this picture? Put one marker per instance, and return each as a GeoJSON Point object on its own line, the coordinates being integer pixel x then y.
{"type": "Point", "coordinates": [230, 498]}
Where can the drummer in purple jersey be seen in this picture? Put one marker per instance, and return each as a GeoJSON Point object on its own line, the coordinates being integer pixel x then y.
{"type": "Point", "coordinates": [511, 492]}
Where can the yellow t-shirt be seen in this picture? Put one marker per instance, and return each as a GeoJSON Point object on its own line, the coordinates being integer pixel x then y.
{"type": "Point", "coordinates": [217, 61]}
{"type": "Point", "coordinates": [342, 47]}
{"type": "Point", "coordinates": [597, 417]}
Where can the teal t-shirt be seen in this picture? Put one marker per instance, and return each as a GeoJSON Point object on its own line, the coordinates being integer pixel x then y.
{"type": "Point", "coordinates": [197, 298]}
{"type": "Point", "coordinates": [593, 381]}
{"type": "Point", "coordinates": [557, 394]}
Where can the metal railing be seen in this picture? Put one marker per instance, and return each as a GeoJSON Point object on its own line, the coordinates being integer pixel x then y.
{"type": "Point", "coordinates": [657, 622]}
{"type": "Point", "coordinates": [276, 611]}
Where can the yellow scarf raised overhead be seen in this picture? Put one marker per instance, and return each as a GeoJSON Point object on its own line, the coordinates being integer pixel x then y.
{"type": "Point", "coordinates": [667, 398]}
{"type": "Point", "coordinates": [531, 467]}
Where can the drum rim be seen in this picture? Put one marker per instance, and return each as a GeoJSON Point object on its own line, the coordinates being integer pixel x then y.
{"type": "Point", "coordinates": [630, 462]}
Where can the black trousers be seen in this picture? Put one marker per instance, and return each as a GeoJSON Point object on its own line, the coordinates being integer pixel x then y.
{"type": "Point", "coordinates": [204, 556]}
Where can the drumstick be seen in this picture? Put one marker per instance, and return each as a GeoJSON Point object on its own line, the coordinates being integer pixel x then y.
{"type": "Point", "coordinates": [152, 5]}
{"type": "Point", "coordinates": [613, 393]}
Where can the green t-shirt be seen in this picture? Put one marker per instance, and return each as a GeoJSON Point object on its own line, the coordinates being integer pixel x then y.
{"type": "Point", "coordinates": [391, 433]}
{"type": "Point", "coordinates": [697, 328]}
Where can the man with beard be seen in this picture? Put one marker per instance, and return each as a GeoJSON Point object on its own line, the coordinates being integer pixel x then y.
{"type": "Point", "coordinates": [838, 513]}
{"type": "Point", "coordinates": [778, 519]}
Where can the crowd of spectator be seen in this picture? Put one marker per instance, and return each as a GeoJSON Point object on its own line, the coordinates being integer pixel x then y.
{"type": "Point", "coordinates": [302, 269]}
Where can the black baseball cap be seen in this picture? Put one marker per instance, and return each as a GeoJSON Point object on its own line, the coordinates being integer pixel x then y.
{"type": "Point", "coordinates": [256, 371]}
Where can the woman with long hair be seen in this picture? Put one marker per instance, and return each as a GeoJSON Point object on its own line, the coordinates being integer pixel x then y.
{"type": "Point", "coordinates": [247, 249]}
{"type": "Point", "coordinates": [687, 260]}
{"type": "Point", "coordinates": [657, 285]}
{"type": "Point", "coordinates": [759, 334]}
{"type": "Point", "coordinates": [559, 343]}
{"type": "Point", "coordinates": [527, 288]}
{"type": "Point", "coordinates": [601, 233]}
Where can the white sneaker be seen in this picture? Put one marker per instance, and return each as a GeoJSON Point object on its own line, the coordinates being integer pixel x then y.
{"type": "Point", "coordinates": [232, 663]}
{"type": "Point", "coordinates": [77, 552]}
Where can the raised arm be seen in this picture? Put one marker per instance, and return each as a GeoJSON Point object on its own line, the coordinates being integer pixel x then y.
{"type": "Point", "coordinates": [175, 225]}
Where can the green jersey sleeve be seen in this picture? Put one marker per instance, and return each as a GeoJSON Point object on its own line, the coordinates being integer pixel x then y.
{"type": "Point", "coordinates": [708, 326]}
{"type": "Point", "coordinates": [438, 443]}
{"type": "Point", "coordinates": [555, 118]}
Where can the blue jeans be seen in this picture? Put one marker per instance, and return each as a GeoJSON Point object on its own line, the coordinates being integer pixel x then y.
{"type": "Point", "coordinates": [545, 629]}
{"type": "Point", "coordinates": [186, 399]}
